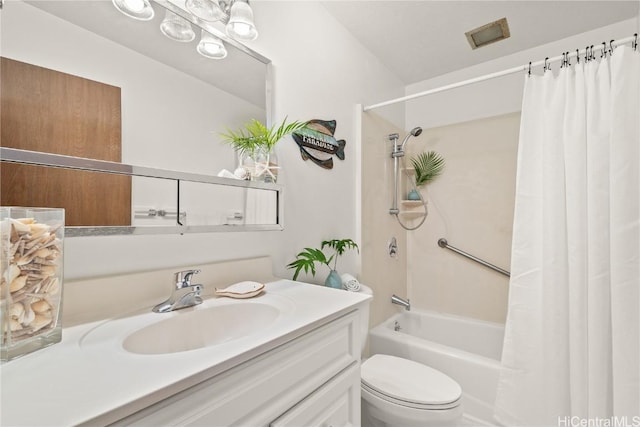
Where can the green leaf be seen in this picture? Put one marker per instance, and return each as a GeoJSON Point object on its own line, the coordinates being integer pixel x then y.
{"type": "Point", "coordinates": [255, 135]}
{"type": "Point", "coordinates": [427, 165]}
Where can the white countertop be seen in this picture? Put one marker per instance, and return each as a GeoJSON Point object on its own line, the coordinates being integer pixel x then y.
{"type": "Point", "coordinates": [89, 378]}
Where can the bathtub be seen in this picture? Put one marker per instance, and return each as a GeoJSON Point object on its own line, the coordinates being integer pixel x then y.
{"type": "Point", "coordinates": [467, 350]}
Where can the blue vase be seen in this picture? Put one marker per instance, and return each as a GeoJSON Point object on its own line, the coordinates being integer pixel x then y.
{"type": "Point", "coordinates": [413, 195]}
{"type": "Point", "coordinates": [333, 280]}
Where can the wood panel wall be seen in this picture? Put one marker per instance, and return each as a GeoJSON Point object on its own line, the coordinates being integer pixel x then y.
{"type": "Point", "coordinates": [54, 112]}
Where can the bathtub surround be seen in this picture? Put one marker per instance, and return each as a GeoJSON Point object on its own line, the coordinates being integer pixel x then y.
{"type": "Point", "coordinates": [575, 283]}
{"type": "Point", "coordinates": [471, 205]}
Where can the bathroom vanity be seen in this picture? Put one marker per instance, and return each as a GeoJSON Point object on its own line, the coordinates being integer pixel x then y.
{"type": "Point", "coordinates": [288, 357]}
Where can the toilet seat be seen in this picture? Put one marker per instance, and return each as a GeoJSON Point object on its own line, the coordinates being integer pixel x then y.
{"type": "Point", "coordinates": [408, 383]}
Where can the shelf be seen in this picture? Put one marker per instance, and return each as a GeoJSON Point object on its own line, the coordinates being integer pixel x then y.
{"type": "Point", "coordinates": [411, 203]}
{"type": "Point", "coordinates": [412, 214]}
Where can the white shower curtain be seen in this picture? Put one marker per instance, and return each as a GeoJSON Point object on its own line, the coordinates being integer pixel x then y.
{"type": "Point", "coordinates": [572, 342]}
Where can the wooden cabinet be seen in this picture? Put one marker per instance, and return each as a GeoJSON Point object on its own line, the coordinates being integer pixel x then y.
{"type": "Point", "coordinates": [48, 111]}
{"type": "Point", "coordinates": [311, 380]}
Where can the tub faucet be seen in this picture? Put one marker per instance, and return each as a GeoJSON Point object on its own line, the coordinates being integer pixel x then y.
{"type": "Point", "coordinates": [184, 294]}
{"type": "Point", "coordinates": [405, 303]}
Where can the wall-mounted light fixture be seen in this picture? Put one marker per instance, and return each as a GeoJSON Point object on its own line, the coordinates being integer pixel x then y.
{"type": "Point", "coordinates": [236, 15]}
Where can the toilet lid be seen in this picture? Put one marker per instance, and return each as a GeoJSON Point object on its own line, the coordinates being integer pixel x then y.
{"type": "Point", "coordinates": [409, 381]}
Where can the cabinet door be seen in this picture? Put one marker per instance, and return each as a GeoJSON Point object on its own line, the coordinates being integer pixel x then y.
{"type": "Point", "coordinates": [335, 404]}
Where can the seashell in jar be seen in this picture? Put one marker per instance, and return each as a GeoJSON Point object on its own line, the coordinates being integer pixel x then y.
{"type": "Point", "coordinates": [29, 314]}
{"type": "Point", "coordinates": [14, 271]}
{"type": "Point", "coordinates": [18, 283]}
{"type": "Point", "coordinates": [14, 325]}
{"type": "Point", "coordinates": [40, 321]}
{"type": "Point", "coordinates": [20, 226]}
{"type": "Point", "coordinates": [44, 252]}
{"type": "Point", "coordinates": [52, 286]}
{"type": "Point", "coordinates": [16, 311]}
{"type": "Point", "coordinates": [41, 306]}
{"type": "Point", "coordinates": [37, 229]}
{"type": "Point", "coordinates": [48, 270]}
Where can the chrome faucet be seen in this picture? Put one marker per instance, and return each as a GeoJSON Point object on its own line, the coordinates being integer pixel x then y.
{"type": "Point", "coordinates": [184, 294]}
{"type": "Point", "coordinates": [405, 303]}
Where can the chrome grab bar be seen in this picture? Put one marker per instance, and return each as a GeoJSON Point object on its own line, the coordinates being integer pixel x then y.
{"type": "Point", "coordinates": [444, 244]}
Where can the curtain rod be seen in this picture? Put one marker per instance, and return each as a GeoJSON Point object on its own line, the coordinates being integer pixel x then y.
{"type": "Point", "coordinates": [520, 68]}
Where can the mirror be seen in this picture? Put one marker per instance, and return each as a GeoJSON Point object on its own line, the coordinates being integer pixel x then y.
{"type": "Point", "coordinates": [174, 102]}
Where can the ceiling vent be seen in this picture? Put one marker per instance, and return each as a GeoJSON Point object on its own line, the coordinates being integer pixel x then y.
{"type": "Point", "coordinates": [489, 33]}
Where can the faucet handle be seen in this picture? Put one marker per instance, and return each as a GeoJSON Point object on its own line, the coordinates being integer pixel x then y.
{"type": "Point", "coordinates": [183, 278]}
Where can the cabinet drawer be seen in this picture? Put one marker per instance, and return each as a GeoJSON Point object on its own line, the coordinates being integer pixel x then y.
{"type": "Point", "coordinates": [336, 404]}
{"type": "Point", "coordinates": [259, 390]}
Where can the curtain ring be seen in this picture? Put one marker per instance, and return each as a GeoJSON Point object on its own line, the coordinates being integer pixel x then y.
{"type": "Point", "coordinates": [578, 55]}
{"type": "Point", "coordinates": [546, 66]}
{"type": "Point", "coordinates": [603, 53]}
{"type": "Point", "coordinates": [635, 41]}
{"type": "Point", "coordinates": [568, 60]}
{"type": "Point", "coordinates": [529, 72]}
{"type": "Point", "coordinates": [586, 54]}
{"type": "Point", "coordinates": [611, 47]}
{"type": "Point", "coordinates": [593, 55]}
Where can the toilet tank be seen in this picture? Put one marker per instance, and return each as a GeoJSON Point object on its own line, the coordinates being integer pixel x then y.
{"type": "Point", "coordinates": [364, 317]}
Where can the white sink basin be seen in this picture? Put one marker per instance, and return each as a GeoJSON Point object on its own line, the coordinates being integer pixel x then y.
{"type": "Point", "coordinates": [215, 322]}
{"type": "Point", "coordinates": [190, 330]}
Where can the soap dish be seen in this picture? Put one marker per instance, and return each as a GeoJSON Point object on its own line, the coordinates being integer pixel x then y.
{"type": "Point", "coordinates": [241, 290]}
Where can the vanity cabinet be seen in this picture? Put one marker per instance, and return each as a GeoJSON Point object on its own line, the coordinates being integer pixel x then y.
{"type": "Point", "coordinates": [311, 380]}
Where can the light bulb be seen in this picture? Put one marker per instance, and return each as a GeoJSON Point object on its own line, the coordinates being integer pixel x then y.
{"type": "Point", "coordinates": [211, 47]}
{"type": "Point", "coordinates": [136, 9]}
{"type": "Point", "coordinates": [134, 5]}
{"type": "Point", "coordinates": [241, 24]}
{"type": "Point", "coordinates": [207, 10]}
{"type": "Point", "coordinates": [176, 28]}
{"type": "Point", "coordinates": [241, 29]}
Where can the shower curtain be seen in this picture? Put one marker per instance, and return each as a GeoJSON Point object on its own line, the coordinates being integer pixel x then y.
{"type": "Point", "coordinates": [572, 341]}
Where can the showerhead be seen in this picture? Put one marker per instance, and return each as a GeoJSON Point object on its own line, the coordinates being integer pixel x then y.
{"type": "Point", "coordinates": [414, 132]}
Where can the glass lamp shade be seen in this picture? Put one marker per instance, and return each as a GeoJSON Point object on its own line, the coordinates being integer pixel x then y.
{"type": "Point", "coordinates": [136, 9]}
{"type": "Point", "coordinates": [211, 47]}
{"type": "Point", "coordinates": [176, 28]}
{"type": "Point", "coordinates": [207, 10]}
{"type": "Point", "coordinates": [241, 26]}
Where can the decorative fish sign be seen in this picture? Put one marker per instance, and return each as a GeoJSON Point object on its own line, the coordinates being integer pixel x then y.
{"type": "Point", "coordinates": [316, 142]}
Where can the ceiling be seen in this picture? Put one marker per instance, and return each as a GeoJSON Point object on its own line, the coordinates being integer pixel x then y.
{"type": "Point", "coordinates": [418, 40]}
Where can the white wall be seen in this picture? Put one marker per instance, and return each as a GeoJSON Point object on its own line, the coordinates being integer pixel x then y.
{"type": "Point", "coordinates": [321, 72]}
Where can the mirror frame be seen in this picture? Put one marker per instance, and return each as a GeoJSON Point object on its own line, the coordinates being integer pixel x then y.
{"type": "Point", "coordinates": [35, 158]}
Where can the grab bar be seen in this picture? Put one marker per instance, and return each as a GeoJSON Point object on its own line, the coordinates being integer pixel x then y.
{"type": "Point", "coordinates": [444, 244]}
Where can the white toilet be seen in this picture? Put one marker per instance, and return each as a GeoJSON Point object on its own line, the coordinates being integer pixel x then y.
{"type": "Point", "coordinates": [398, 392]}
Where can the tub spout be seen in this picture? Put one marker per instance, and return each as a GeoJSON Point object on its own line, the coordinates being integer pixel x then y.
{"type": "Point", "coordinates": [405, 303]}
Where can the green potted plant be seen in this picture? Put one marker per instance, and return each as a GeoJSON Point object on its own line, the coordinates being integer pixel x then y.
{"type": "Point", "coordinates": [427, 166]}
{"type": "Point", "coordinates": [255, 141]}
{"type": "Point", "coordinates": [307, 259]}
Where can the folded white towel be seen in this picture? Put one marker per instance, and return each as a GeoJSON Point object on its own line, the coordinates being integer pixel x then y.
{"type": "Point", "coordinates": [226, 174]}
{"type": "Point", "coordinates": [350, 283]}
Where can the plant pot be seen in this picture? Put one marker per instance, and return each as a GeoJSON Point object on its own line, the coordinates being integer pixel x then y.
{"type": "Point", "coordinates": [261, 165]}
{"type": "Point", "coordinates": [413, 195]}
{"type": "Point", "coordinates": [333, 280]}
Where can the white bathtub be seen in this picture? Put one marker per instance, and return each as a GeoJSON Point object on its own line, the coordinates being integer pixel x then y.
{"type": "Point", "coordinates": [467, 350]}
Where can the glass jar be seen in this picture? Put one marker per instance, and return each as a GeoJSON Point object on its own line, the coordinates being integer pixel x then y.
{"type": "Point", "coordinates": [31, 267]}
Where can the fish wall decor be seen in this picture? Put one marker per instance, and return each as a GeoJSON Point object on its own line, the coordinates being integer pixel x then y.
{"type": "Point", "coordinates": [317, 143]}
